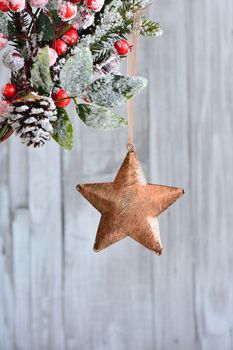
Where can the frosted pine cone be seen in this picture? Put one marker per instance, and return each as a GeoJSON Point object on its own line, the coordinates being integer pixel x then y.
{"type": "Point", "coordinates": [31, 119]}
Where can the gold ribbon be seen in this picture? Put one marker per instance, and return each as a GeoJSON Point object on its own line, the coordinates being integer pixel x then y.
{"type": "Point", "coordinates": [132, 63]}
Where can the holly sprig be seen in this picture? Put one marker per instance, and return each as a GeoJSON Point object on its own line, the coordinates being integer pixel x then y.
{"type": "Point", "coordinates": [34, 33]}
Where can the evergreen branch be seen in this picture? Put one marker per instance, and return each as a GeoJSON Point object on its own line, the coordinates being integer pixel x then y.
{"type": "Point", "coordinates": [103, 56]}
{"type": "Point", "coordinates": [130, 6]}
{"type": "Point", "coordinates": [150, 28]}
{"type": "Point", "coordinates": [17, 28]}
{"type": "Point", "coordinates": [103, 49]}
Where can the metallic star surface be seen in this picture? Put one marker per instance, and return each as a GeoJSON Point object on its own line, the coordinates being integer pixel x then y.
{"type": "Point", "coordinates": [129, 206]}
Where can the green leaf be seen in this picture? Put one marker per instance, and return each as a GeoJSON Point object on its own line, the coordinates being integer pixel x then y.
{"type": "Point", "coordinates": [11, 30]}
{"type": "Point", "coordinates": [3, 129]}
{"type": "Point", "coordinates": [115, 90]}
{"type": "Point", "coordinates": [99, 117]}
{"type": "Point", "coordinates": [44, 28]}
{"type": "Point", "coordinates": [53, 12]}
{"type": "Point", "coordinates": [64, 30]}
{"type": "Point", "coordinates": [77, 73]}
{"type": "Point", "coordinates": [63, 130]}
{"type": "Point", "coordinates": [40, 73]}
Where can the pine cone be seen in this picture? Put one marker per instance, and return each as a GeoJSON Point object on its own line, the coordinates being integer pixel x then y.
{"type": "Point", "coordinates": [31, 117]}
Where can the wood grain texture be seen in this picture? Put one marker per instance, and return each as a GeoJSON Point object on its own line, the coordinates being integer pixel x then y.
{"type": "Point", "coordinates": [21, 261]}
{"type": "Point", "coordinates": [55, 292]}
{"type": "Point", "coordinates": [46, 248]}
{"type": "Point", "coordinates": [211, 167]}
{"type": "Point", "coordinates": [173, 276]}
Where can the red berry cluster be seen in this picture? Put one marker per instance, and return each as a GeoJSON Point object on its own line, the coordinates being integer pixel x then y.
{"type": "Point", "coordinates": [4, 6]}
{"type": "Point", "coordinates": [9, 5]}
{"type": "Point", "coordinates": [70, 38]}
{"type": "Point", "coordinates": [61, 45]}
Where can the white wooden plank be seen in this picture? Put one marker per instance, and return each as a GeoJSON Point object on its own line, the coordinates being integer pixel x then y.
{"type": "Point", "coordinates": [46, 248]}
{"type": "Point", "coordinates": [212, 154]}
{"type": "Point", "coordinates": [17, 184]}
{"type": "Point", "coordinates": [3, 222]}
{"type": "Point", "coordinates": [6, 295]}
{"type": "Point", "coordinates": [2, 311]}
{"type": "Point", "coordinates": [6, 301]}
{"type": "Point", "coordinates": [18, 174]}
{"type": "Point", "coordinates": [169, 164]}
{"type": "Point", "coordinates": [21, 259]}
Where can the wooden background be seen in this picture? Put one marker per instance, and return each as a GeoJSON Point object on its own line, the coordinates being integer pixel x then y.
{"type": "Point", "coordinates": [55, 293]}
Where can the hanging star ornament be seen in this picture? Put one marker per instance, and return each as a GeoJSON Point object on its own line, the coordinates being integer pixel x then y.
{"type": "Point", "coordinates": [129, 206]}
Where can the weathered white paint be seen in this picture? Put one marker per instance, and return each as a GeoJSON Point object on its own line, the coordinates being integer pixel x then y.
{"type": "Point", "coordinates": [21, 261]}
{"type": "Point", "coordinates": [55, 293]}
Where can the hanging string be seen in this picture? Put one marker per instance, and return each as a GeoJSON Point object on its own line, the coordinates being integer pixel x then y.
{"type": "Point", "coordinates": [132, 62]}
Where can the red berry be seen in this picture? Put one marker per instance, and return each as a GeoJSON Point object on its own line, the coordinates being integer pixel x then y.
{"type": "Point", "coordinates": [94, 5]}
{"type": "Point", "coordinates": [4, 6]}
{"type": "Point", "coordinates": [60, 47]}
{"type": "Point", "coordinates": [67, 11]}
{"type": "Point", "coordinates": [17, 5]}
{"type": "Point", "coordinates": [60, 95]}
{"type": "Point", "coordinates": [71, 37]}
{"type": "Point", "coordinates": [122, 47]}
{"type": "Point", "coordinates": [9, 91]}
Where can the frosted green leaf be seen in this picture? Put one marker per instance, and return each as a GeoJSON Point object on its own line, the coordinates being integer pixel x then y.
{"type": "Point", "coordinates": [40, 73]}
{"type": "Point", "coordinates": [3, 23]}
{"type": "Point", "coordinates": [44, 28]}
{"type": "Point", "coordinates": [99, 117]}
{"type": "Point", "coordinates": [115, 90]}
{"type": "Point", "coordinates": [53, 4]}
{"type": "Point", "coordinates": [77, 73]}
{"type": "Point", "coordinates": [63, 129]}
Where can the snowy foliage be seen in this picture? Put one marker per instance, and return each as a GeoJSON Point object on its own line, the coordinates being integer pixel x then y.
{"type": "Point", "coordinates": [40, 74]}
{"type": "Point", "coordinates": [77, 73]}
{"type": "Point", "coordinates": [115, 90]}
{"type": "Point", "coordinates": [98, 117]}
{"type": "Point", "coordinates": [69, 46]}
{"type": "Point", "coordinates": [63, 130]}
{"type": "Point", "coordinates": [3, 23]}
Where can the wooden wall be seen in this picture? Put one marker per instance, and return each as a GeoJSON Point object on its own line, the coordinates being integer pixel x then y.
{"type": "Point", "coordinates": [55, 293]}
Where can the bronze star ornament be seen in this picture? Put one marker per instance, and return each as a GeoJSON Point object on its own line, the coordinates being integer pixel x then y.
{"type": "Point", "coordinates": [129, 206]}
